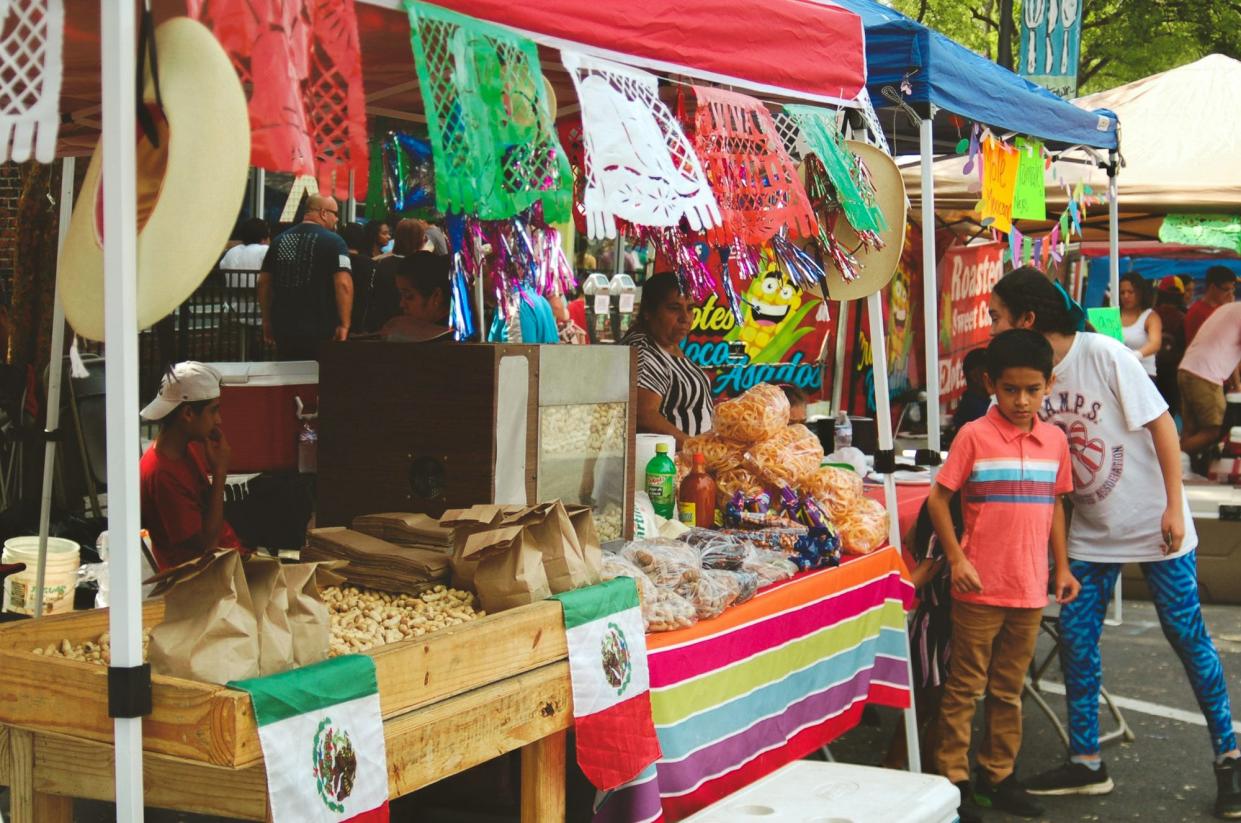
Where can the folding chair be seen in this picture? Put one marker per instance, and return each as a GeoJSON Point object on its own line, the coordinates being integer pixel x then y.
{"type": "Point", "coordinates": [1050, 625]}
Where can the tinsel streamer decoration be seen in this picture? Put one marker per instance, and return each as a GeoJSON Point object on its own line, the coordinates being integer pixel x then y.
{"type": "Point", "coordinates": [803, 270]}
{"type": "Point", "coordinates": [823, 198]}
{"type": "Point", "coordinates": [734, 303]}
{"type": "Point", "coordinates": [489, 119]}
{"type": "Point", "coordinates": [753, 177]}
{"type": "Point", "coordinates": [745, 259]}
{"type": "Point", "coordinates": [849, 176]}
{"type": "Point", "coordinates": [409, 172]}
{"type": "Point", "coordinates": [31, 68]}
{"type": "Point", "coordinates": [461, 317]}
{"type": "Point", "coordinates": [638, 163]}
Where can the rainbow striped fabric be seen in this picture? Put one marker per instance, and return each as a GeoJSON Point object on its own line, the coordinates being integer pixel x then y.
{"type": "Point", "coordinates": [768, 682]}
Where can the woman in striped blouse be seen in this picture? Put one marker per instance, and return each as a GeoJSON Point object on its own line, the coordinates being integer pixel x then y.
{"type": "Point", "coordinates": [674, 395]}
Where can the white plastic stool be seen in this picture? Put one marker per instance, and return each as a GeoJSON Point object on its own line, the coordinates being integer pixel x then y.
{"type": "Point", "coordinates": [812, 792]}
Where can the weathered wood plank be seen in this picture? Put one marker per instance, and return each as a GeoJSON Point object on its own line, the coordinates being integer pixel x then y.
{"type": "Point", "coordinates": [542, 779]}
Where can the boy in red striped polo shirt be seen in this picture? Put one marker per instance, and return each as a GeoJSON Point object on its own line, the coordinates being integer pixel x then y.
{"type": "Point", "coordinates": [1011, 469]}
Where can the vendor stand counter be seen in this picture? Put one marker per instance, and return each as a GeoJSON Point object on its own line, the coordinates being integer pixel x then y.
{"type": "Point", "coordinates": [450, 700]}
{"type": "Point", "coordinates": [768, 682]}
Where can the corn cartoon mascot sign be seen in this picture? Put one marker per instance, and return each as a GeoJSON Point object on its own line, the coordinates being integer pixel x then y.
{"type": "Point", "coordinates": [777, 341]}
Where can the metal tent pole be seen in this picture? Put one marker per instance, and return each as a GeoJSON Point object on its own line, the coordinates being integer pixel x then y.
{"type": "Point", "coordinates": [838, 372]}
{"type": "Point", "coordinates": [117, 29]}
{"type": "Point", "coordinates": [1113, 228]}
{"type": "Point", "coordinates": [55, 367]}
{"type": "Point", "coordinates": [930, 298]}
{"type": "Point", "coordinates": [260, 194]}
{"type": "Point", "coordinates": [883, 460]}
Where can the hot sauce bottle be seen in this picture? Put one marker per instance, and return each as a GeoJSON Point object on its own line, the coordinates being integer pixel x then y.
{"type": "Point", "coordinates": [697, 507]}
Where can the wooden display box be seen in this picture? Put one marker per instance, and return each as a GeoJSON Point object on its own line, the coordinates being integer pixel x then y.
{"type": "Point", "coordinates": [427, 428]}
{"type": "Point", "coordinates": [210, 724]}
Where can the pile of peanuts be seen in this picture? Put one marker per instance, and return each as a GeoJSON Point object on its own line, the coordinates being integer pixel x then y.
{"type": "Point", "coordinates": [363, 619]}
{"type": "Point", "coordinates": [97, 651]}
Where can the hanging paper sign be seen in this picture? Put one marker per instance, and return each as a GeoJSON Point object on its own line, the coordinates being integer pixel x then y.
{"type": "Point", "coordinates": [849, 177]}
{"type": "Point", "coordinates": [639, 164]}
{"type": "Point", "coordinates": [753, 177]}
{"type": "Point", "coordinates": [777, 339]}
{"type": "Point", "coordinates": [1051, 35]}
{"type": "Point", "coordinates": [999, 182]}
{"type": "Point", "coordinates": [489, 118]}
{"type": "Point", "coordinates": [1030, 196]}
{"type": "Point", "coordinates": [1106, 321]}
{"type": "Point", "coordinates": [966, 275]}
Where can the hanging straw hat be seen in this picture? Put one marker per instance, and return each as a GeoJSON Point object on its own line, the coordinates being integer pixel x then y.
{"type": "Point", "coordinates": [189, 188]}
{"type": "Point", "coordinates": [875, 267]}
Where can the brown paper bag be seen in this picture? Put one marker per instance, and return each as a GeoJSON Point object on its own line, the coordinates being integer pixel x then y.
{"type": "Point", "coordinates": [270, 598]}
{"type": "Point", "coordinates": [309, 621]}
{"type": "Point", "coordinates": [583, 520]}
{"type": "Point", "coordinates": [549, 529]}
{"type": "Point", "coordinates": [510, 569]}
{"type": "Point", "coordinates": [376, 563]}
{"type": "Point", "coordinates": [209, 631]}
{"type": "Point", "coordinates": [406, 529]}
{"type": "Point", "coordinates": [465, 523]}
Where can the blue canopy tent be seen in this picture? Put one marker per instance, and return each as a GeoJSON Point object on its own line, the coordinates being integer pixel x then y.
{"type": "Point", "coordinates": [945, 76]}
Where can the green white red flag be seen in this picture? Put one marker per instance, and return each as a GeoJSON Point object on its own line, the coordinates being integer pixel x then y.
{"type": "Point", "coordinates": [611, 683]}
{"type": "Point", "coordinates": [323, 741]}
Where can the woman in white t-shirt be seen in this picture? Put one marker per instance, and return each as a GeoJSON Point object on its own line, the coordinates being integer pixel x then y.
{"type": "Point", "coordinates": [1129, 507]}
{"type": "Point", "coordinates": [1141, 326]}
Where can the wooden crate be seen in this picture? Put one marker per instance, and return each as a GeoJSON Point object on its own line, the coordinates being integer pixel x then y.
{"type": "Point", "coordinates": [208, 723]}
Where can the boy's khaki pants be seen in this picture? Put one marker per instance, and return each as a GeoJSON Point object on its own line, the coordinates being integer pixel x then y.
{"type": "Point", "coordinates": [991, 650]}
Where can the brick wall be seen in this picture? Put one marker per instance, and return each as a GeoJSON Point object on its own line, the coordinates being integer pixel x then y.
{"type": "Point", "coordinates": [10, 188]}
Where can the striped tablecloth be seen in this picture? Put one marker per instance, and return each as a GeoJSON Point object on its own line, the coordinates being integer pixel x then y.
{"type": "Point", "coordinates": [768, 682]}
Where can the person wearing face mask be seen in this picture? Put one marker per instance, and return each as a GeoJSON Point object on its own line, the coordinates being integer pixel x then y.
{"type": "Point", "coordinates": [674, 395]}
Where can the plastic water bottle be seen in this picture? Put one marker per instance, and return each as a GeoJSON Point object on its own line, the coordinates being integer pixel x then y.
{"type": "Point", "coordinates": [843, 431]}
{"type": "Point", "coordinates": [661, 483]}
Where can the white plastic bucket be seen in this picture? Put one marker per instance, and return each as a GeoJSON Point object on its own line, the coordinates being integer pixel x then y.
{"type": "Point", "coordinates": [59, 579]}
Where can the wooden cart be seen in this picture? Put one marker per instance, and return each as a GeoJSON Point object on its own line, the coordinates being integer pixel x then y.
{"type": "Point", "coordinates": [450, 701]}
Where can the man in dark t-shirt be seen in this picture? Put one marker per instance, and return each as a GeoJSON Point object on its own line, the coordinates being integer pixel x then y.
{"type": "Point", "coordinates": [305, 287]}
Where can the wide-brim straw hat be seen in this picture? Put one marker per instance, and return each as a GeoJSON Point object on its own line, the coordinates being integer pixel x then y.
{"type": "Point", "coordinates": [189, 189]}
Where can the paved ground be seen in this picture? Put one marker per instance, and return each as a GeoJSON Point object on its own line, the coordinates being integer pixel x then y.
{"type": "Point", "coordinates": [1164, 776]}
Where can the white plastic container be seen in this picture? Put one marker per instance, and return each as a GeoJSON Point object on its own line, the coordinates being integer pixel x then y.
{"type": "Point", "coordinates": [60, 577]}
{"type": "Point", "coordinates": [812, 792]}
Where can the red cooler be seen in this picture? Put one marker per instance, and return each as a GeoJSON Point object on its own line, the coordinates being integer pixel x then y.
{"type": "Point", "coordinates": [258, 402]}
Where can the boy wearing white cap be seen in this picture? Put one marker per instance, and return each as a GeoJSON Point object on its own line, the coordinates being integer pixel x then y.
{"type": "Point", "coordinates": [183, 472]}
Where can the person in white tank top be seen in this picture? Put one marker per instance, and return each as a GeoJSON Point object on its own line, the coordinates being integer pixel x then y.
{"type": "Point", "coordinates": [1141, 326]}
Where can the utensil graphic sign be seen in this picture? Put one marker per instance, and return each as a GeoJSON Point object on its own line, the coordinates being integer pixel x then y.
{"type": "Point", "coordinates": [1051, 33]}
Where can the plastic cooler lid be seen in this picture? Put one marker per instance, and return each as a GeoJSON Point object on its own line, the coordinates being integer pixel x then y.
{"type": "Point", "coordinates": [287, 373]}
{"type": "Point", "coordinates": [813, 792]}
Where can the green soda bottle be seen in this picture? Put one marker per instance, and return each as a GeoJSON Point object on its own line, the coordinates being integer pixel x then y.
{"type": "Point", "coordinates": [661, 482]}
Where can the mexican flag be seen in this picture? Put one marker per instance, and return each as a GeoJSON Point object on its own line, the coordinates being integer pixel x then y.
{"type": "Point", "coordinates": [323, 741]}
{"type": "Point", "coordinates": [611, 684]}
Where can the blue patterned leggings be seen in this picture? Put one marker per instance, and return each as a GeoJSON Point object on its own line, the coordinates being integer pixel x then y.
{"type": "Point", "coordinates": [1174, 587]}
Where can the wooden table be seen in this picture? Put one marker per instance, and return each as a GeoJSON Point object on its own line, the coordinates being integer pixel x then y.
{"type": "Point", "coordinates": [450, 701]}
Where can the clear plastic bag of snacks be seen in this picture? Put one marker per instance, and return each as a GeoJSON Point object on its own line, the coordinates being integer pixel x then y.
{"type": "Point", "coordinates": [837, 490]}
{"type": "Point", "coordinates": [755, 416]}
{"type": "Point", "coordinates": [668, 563]}
{"type": "Point", "coordinates": [864, 528]}
{"type": "Point", "coordinates": [721, 454]}
{"type": "Point", "coordinates": [768, 566]}
{"type": "Point", "coordinates": [789, 457]}
{"type": "Point", "coordinates": [716, 550]}
{"type": "Point", "coordinates": [728, 483]}
{"type": "Point", "coordinates": [711, 593]}
{"type": "Point", "coordinates": [668, 612]}
{"type": "Point", "coordinates": [614, 566]}
{"type": "Point", "coordinates": [747, 584]}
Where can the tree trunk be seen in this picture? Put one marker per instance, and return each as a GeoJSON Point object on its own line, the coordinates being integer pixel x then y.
{"type": "Point", "coordinates": [1004, 50]}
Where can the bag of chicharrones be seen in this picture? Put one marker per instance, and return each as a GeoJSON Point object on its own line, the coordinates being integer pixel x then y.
{"type": "Point", "coordinates": [864, 528]}
{"type": "Point", "coordinates": [720, 454]}
{"type": "Point", "coordinates": [789, 457]}
{"type": "Point", "coordinates": [837, 490]}
{"type": "Point", "coordinates": [755, 416]}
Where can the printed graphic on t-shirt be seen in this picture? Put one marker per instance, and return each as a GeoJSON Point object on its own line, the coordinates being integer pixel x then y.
{"type": "Point", "coordinates": [1097, 467]}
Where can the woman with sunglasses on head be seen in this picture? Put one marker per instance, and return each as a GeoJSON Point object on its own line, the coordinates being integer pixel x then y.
{"type": "Point", "coordinates": [1129, 507]}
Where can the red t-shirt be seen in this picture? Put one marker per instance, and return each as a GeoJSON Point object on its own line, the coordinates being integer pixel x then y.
{"type": "Point", "coordinates": [175, 495]}
{"type": "Point", "coordinates": [1009, 481]}
{"type": "Point", "coordinates": [1195, 317]}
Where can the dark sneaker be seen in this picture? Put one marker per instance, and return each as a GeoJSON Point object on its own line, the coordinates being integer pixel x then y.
{"type": "Point", "coordinates": [1071, 778]}
{"type": "Point", "coordinates": [1007, 796]}
{"type": "Point", "coordinates": [1228, 783]}
{"type": "Point", "coordinates": [967, 812]}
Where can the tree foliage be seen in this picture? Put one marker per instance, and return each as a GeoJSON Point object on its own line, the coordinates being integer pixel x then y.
{"type": "Point", "coordinates": [1122, 40]}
